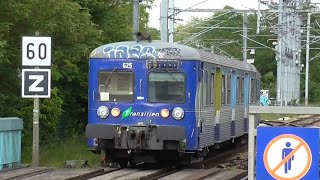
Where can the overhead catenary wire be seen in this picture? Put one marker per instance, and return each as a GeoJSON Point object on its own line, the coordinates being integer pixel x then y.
{"type": "Point", "coordinates": [207, 30]}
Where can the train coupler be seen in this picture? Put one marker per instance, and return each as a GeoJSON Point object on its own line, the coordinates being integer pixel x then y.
{"type": "Point", "coordinates": [138, 140]}
{"type": "Point", "coordinates": [182, 146]}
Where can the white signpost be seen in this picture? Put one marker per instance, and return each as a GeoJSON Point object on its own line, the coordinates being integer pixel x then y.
{"type": "Point", "coordinates": [36, 83]}
{"type": "Point", "coordinates": [36, 51]}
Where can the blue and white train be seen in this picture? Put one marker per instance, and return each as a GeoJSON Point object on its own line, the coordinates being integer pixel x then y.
{"type": "Point", "coordinates": [158, 101]}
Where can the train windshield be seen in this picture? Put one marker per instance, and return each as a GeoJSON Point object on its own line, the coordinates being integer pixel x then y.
{"type": "Point", "coordinates": [116, 86]}
{"type": "Point", "coordinates": [166, 87]}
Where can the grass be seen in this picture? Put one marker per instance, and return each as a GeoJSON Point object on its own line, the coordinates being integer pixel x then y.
{"type": "Point", "coordinates": [55, 155]}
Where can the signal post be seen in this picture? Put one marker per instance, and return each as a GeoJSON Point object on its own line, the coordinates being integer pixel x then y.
{"type": "Point", "coordinates": [36, 80]}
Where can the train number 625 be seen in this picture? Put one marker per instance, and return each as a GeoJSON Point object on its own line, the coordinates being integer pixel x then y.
{"type": "Point", "coordinates": [127, 65]}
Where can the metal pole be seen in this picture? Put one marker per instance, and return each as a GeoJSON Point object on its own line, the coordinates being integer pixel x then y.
{"type": "Point", "coordinates": [245, 36]}
{"type": "Point", "coordinates": [258, 18]}
{"type": "Point", "coordinates": [164, 20]}
{"type": "Point", "coordinates": [35, 138]}
{"type": "Point", "coordinates": [135, 18]}
{"type": "Point", "coordinates": [287, 58]}
{"type": "Point", "coordinates": [171, 22]}
{"type": "Point", "coordinates": [292, 59]}
{"type": "Point", "coordinates": [306, 98]}
{"type": "Point", "coordinates": [279, 60]}
{"type": "Point", "coordinates": [251, 148]}
{"type": "Point", "coordinates": [35, 128]}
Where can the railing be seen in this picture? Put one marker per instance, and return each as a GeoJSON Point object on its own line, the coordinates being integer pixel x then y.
{"type": "Point", "coordinates": [10, 142]}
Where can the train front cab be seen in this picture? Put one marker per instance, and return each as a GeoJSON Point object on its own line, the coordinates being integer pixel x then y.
{"type": "Point", "coordinates": [142, 110]}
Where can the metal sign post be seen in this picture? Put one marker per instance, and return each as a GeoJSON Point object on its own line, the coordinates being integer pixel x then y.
{"type": "Point", "coordinates": [35, 137]}
{"type": "Point", "coordinates": [36, 83]}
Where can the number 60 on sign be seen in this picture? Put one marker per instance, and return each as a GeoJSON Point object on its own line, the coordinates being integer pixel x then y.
{"type": "Point", "coordinates": [36, 51]}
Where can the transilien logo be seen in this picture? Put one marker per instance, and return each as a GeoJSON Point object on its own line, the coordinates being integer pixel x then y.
{"type": "Point", "coordinates": [127, 112]}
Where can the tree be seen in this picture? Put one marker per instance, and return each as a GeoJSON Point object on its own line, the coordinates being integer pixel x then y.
{"type": "Point", "coordinates": [229, 40]}
{"type": "Point", "coordinates": [76, 28]}
{"type": "Point", "coordinates": [73, 35]}
{"type": "Point", "coordinates": [114, 17]}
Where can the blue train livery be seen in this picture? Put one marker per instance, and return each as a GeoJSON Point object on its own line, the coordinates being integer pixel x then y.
{"type": "Point", "coordinates": [157, 101]}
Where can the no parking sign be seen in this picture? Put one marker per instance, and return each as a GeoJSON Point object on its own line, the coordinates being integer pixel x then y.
{"type": "Point", "coordinates": [287, 153]}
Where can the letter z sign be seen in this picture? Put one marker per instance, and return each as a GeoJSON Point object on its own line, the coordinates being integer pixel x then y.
{"type": "Point", "coordinates": [36, 83]}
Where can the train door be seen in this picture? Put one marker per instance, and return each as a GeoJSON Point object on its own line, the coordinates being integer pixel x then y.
{"type": "Point", "coordinates": [199, 101]}
{"type": "Point", "coordinates": [207, 119]}
{"type": "Point", "coordinates": [202, 101]}
{"type": "Point", "coordinates": [233, 102]}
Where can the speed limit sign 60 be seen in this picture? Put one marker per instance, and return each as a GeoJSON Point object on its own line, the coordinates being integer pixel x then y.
{"type": "Point", "coordinates": [36, 51]}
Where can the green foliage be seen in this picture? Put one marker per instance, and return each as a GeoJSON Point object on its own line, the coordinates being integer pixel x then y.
{"type": "Point", "coordinates": [230, 40]}
{"type": "Point", "coordinates": [155, 34]}
{"type": "Point", "coordinates": [269, 82]}
{"type": "Point", "coordinates": [115, 17]}
{"type": "Point", "coordinates": [314, 89]}
{"type": "Point", "coordinates": [54, 155]}
{"type": "Point", "coordinates": [76, 28]}
{"type": "Point", "coordinates": [74, 36]}
{"type": "Point", "coordinates": [74, 149]}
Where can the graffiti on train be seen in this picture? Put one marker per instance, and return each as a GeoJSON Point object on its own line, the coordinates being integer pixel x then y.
{"type": "Point", "coordinates": [134, 51]}
{"type": "Point", "coordinates": [169, 51]}
{"type": "Point", "coordinates": [139, 51]}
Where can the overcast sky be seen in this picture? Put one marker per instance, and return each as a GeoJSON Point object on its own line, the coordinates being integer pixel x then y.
{"type": "Point", "coordinates": [209, 4]}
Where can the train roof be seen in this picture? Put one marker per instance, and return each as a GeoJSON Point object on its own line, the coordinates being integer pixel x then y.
{"type": "Point", "coordinates": [165, 50]}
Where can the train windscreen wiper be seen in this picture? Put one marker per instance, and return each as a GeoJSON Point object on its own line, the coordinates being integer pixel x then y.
{"type": "Point", "coordinates": [107, 81]}
{"type": "Point", "coordinates": [170, 73]}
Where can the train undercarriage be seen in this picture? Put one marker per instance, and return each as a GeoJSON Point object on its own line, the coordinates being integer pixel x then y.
{"type": "Point", "coordinates": [133, 145]}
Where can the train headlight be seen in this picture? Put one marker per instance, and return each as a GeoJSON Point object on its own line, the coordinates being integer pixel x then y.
{"type": "Point", "coordinates": [103, 112]}
{"type": "Point", "coordinates": [115, 112]}
{"type": "Point", "coordinates": [178, 113]}
{"type": "Point", "coordinates": [164, 113]}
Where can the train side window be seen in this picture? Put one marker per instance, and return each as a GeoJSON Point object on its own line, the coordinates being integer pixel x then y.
{"type": "Point", "coordinates": [212, 89]}
{"type": "Point", "coordinates": [228, 89]}
{"type": "Point", "coordinates": [242, 90]}
{"type": "Point", "coordinates": [223, 89]}
{"type": "Point", "coordinates": [208, 86]}
{"type": "Point", "coordinates": [252, 90]}
{"type": "Point", "coordinates": [204, 87]}
{"type": "Point", "coordinates": [238, 90]}
{"type": "Point", "coordinates": [250, 87]}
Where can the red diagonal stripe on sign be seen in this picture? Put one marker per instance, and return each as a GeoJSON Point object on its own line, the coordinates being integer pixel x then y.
{"type": "Point", "coordinates": [287, 157]}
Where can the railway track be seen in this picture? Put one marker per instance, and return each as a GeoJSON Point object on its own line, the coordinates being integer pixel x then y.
{"type": "Point", "coordinates": [216, 166]}
{"type": "Point", "coordinates": [303, 121]}
{"type": "Point", "coordinates": [41, 173]}
{"type": "Point", "coordinates": [224, 165]}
